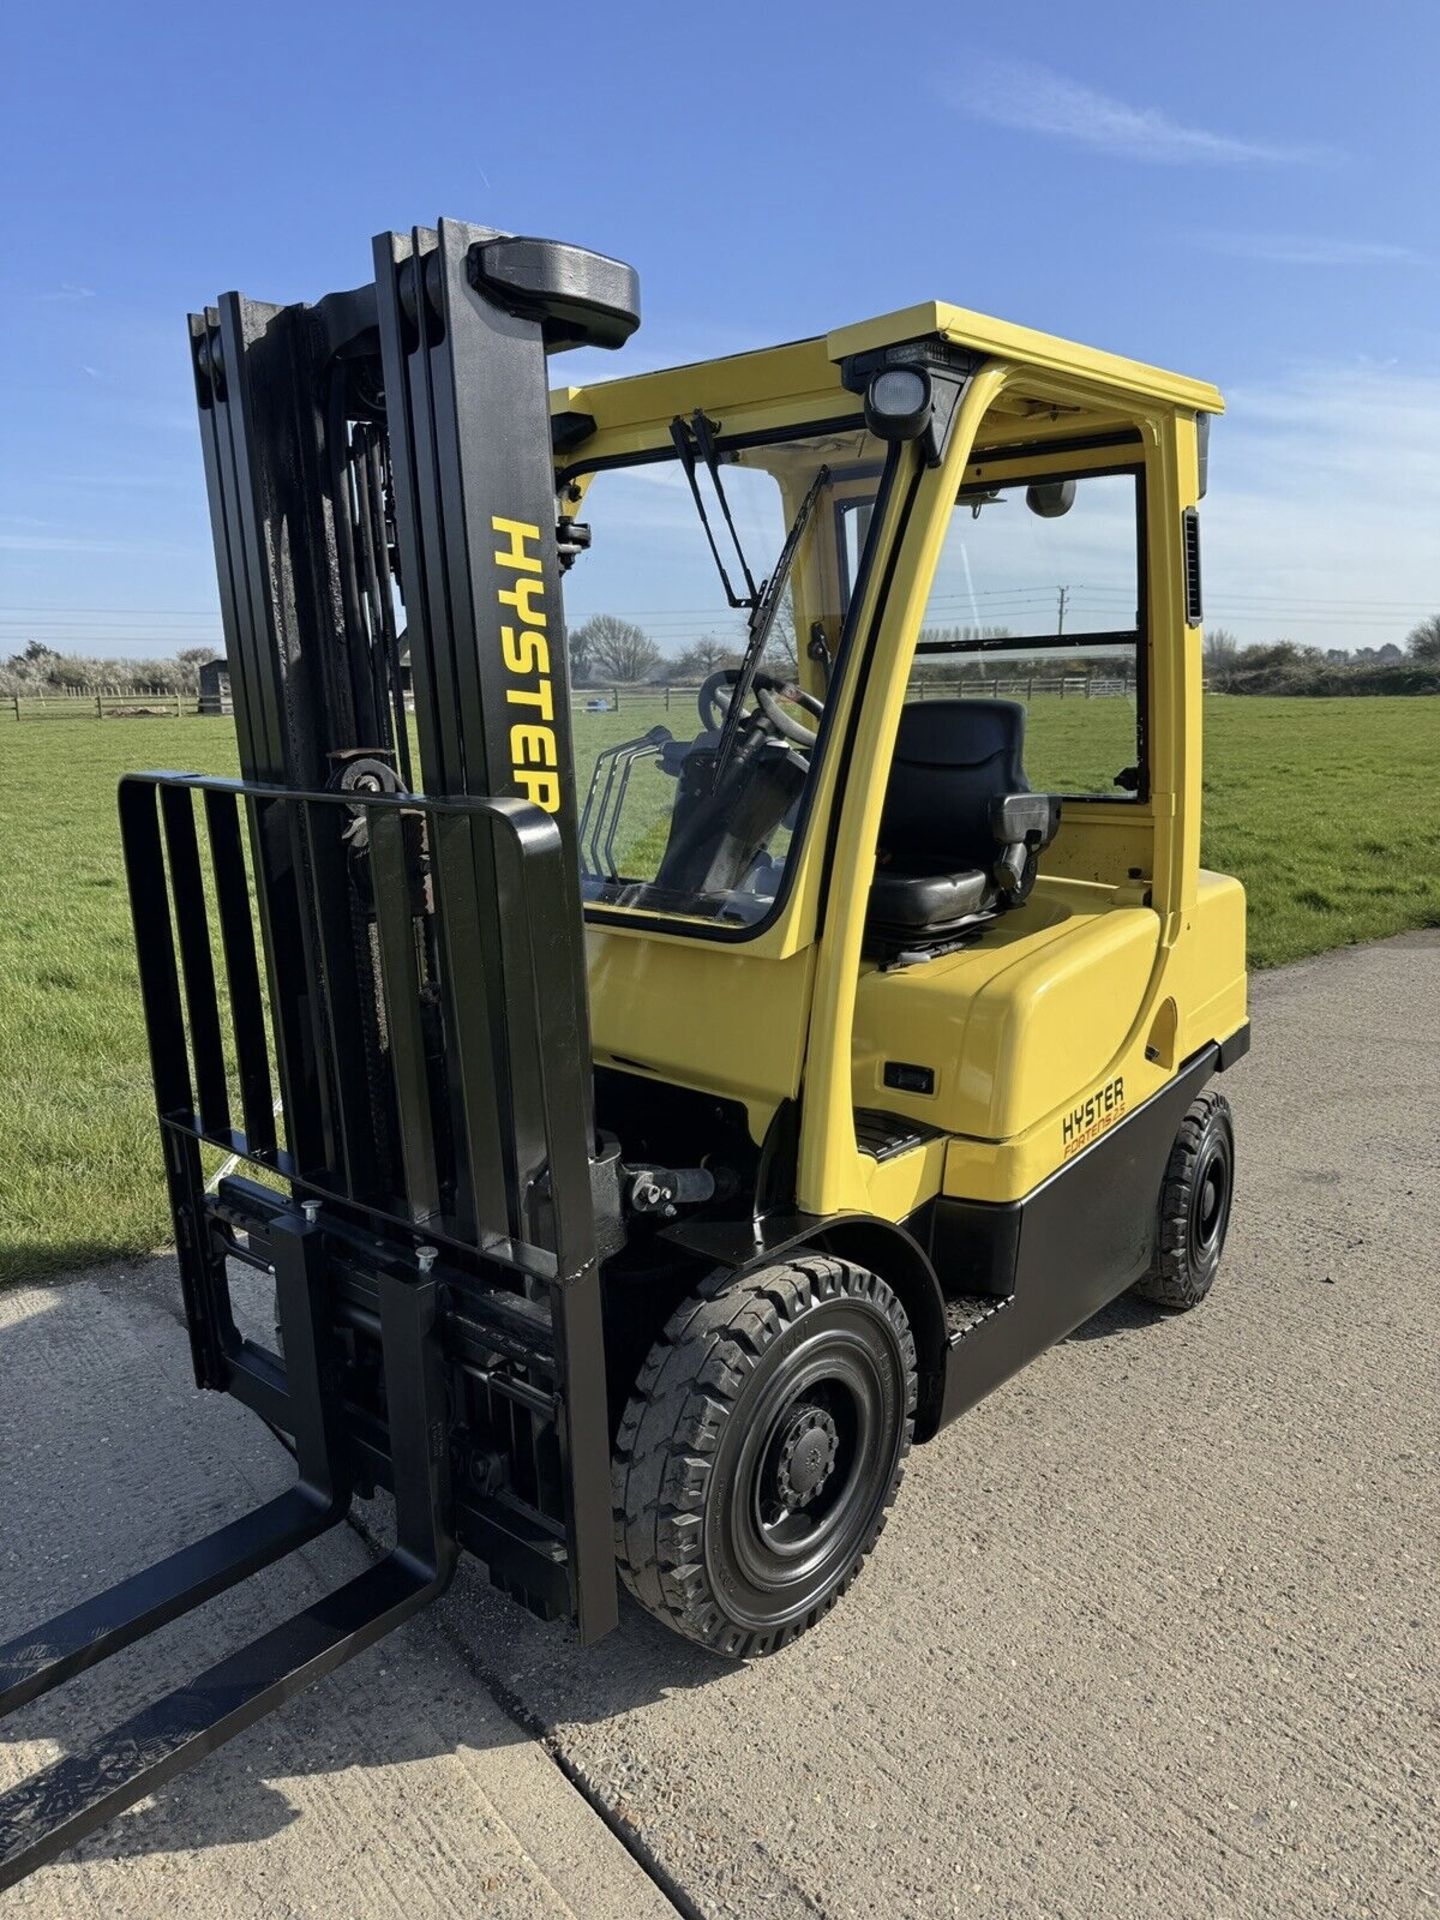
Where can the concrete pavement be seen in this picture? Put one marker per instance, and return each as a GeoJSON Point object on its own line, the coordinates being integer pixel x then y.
{"type": "Point", "coordinates": [1150, 1633]}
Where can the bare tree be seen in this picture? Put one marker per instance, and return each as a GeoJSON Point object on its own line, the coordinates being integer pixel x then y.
{"type": "Point", "coordinates": [618, 649]}
{"type": "Point", "coordinates": [190, 660]}
{"type": "Point", "coordinates": [1222, 650]}
{"type": "Point", "coordinates": [782, 653]}
{"type": "Point", "coordinates": [701, 659]}
{"type": "Point", "coordinates": [582, 664]}
{"type": "Point", "coordinates": [780, 656]}
{"type": "Point", "coordinates": [1423, 641]}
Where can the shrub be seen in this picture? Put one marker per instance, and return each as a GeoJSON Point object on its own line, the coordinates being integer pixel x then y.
{"type": "Point", "coordinates": [1285, 671]}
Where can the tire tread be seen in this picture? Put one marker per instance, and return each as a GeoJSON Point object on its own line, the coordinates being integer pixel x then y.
{"type": "Point", "coordinates": [683, 1396]}
{"type": "Point", "coordinates": [1171, 1281]}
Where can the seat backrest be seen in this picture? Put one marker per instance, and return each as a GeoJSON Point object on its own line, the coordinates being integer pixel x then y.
{"type": "Point", "coordinates": [952, 757]}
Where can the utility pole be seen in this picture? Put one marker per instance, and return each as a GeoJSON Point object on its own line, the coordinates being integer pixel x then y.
{"type": "Point", "coordinates": [1062, 595]}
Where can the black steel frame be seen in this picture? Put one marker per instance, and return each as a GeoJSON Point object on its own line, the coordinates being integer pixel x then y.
{"type": "Point", "coordinates": [374, 996]}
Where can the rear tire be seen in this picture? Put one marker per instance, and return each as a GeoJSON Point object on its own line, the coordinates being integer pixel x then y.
{"type": "Point", "coordinates": [761, 1450]}
{"type": "Point", "coordinates": [1194, 1207]}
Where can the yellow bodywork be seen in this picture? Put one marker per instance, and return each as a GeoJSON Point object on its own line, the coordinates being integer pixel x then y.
{"type": "Point", "coordinates": [1127, 958]}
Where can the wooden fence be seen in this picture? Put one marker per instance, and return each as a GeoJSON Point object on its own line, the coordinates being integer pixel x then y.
{"type": "Point", "coordinates": [1023, 686]}
{"type": "Point", "coordinates": [103, 703]}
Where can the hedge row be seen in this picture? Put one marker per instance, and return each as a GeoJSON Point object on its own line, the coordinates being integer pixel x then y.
{"type": "Point", "coordinates": [1294, 676]}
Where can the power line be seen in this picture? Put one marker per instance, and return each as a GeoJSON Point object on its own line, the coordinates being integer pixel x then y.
{"type": "Point", "coordinates": [678, 627]}
{"type": "Point", "coordinates": [148, 613]}
{"type": "Point", "coordinates": [99, 616]}
{"type": "Point", "coordinates": [710, 611]}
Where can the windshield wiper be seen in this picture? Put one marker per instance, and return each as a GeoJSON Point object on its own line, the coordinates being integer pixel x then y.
{"type": "Point", "coordinates": [762, 620]}
{"type": "Point", "coordinates": [698, 432]}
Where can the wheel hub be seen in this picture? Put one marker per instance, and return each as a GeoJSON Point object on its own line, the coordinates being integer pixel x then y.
{"type": "Point", "coordinates": [1209, 1202]}
{"type": "Point", "coordinates": [809, 1442]}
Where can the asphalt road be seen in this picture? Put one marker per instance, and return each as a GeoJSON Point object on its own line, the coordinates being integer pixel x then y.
{"type": "Point", "coordinates": [1151, 1632]}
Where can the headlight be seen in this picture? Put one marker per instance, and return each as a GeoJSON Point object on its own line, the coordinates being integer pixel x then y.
{"type": "Point", "coordinates": [897, 403]}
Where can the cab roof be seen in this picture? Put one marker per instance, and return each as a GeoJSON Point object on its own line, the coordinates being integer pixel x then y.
{"type": "Point", "coordinates": [785, 382]}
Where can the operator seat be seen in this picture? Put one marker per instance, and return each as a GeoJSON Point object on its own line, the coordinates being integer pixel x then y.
{"type": "Point", "coordinates": [961, 833]}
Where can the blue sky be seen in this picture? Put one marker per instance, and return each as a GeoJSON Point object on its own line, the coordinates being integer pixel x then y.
{"type": "Point", "coordinates": [1248, 193]}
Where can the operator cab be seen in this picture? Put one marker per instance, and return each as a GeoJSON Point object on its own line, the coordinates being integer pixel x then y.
{"type": "Point", "coordinates": [894, 872]}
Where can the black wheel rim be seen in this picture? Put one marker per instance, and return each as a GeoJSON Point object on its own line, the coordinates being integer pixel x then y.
{"type": "Point", "coordinates": [813, 1470]}
{"type": "Point", "coordinates": [1210, 1201]}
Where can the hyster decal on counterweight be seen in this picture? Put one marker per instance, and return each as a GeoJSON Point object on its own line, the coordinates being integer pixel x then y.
{"type": "Point", "coordinates": [1093, 1116]}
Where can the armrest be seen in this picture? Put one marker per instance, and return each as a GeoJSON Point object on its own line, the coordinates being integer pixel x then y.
{"type": "Point", "coordinates": [1025, 819]}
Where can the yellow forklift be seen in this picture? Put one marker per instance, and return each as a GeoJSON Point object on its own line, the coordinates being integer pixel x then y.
{"type": "Point", "coordinates": [642, 1166]}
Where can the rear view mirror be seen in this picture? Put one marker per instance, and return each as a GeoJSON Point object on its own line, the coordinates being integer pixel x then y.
{"type": "Point", "coordinates": [1050, 498]}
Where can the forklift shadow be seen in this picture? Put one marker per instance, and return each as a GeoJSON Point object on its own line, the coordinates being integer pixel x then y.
{"type": "Point", "coordinates": [542, 1674]}
{"type": "Point", "coordinates": [21, 1258]}
{"type": "Point", "coordinates": [1123, 1315]}
{"type": "Point", "coordinates": [425, 1718]}
{"type": "Point", "coordinates": [407, 1723]}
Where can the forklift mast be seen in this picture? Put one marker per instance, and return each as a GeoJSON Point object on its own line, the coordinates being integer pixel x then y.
{"type": "Point", "coordinates": [396, 1035]}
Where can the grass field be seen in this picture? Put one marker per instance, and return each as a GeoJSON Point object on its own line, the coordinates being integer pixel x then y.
{"type": "Point", "coordinates": [1328, 810]}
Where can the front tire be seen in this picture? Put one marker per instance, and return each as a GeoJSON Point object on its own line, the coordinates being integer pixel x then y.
{"type": "Point", "coordinates": [1194, 1207]}
{"type": "Point", "coordinates": [761, 1450]}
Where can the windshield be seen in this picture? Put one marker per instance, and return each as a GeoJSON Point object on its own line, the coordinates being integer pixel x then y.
{"type": "Point", "coordinates": [698, 721]}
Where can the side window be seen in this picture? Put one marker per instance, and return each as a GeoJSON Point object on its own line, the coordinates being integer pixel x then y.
{"type": "Point", "coordinates": [1037, 598]}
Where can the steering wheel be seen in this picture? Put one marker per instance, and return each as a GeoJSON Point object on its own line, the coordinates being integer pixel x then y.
{"type": "Point", "coordinates": [715, 696]}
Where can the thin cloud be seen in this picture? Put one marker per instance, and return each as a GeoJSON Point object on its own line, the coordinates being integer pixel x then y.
{"type": "Point", "coordinates": [1299, 250]}
{"type": "Point", "coordinates": [75, 543]}
{"type": "Point", "coordinates": [1322, 489]}
{"type": "Point", "coordinates": [1014, 93]}
{"type": "Point", "coordinates": [67, 291]}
